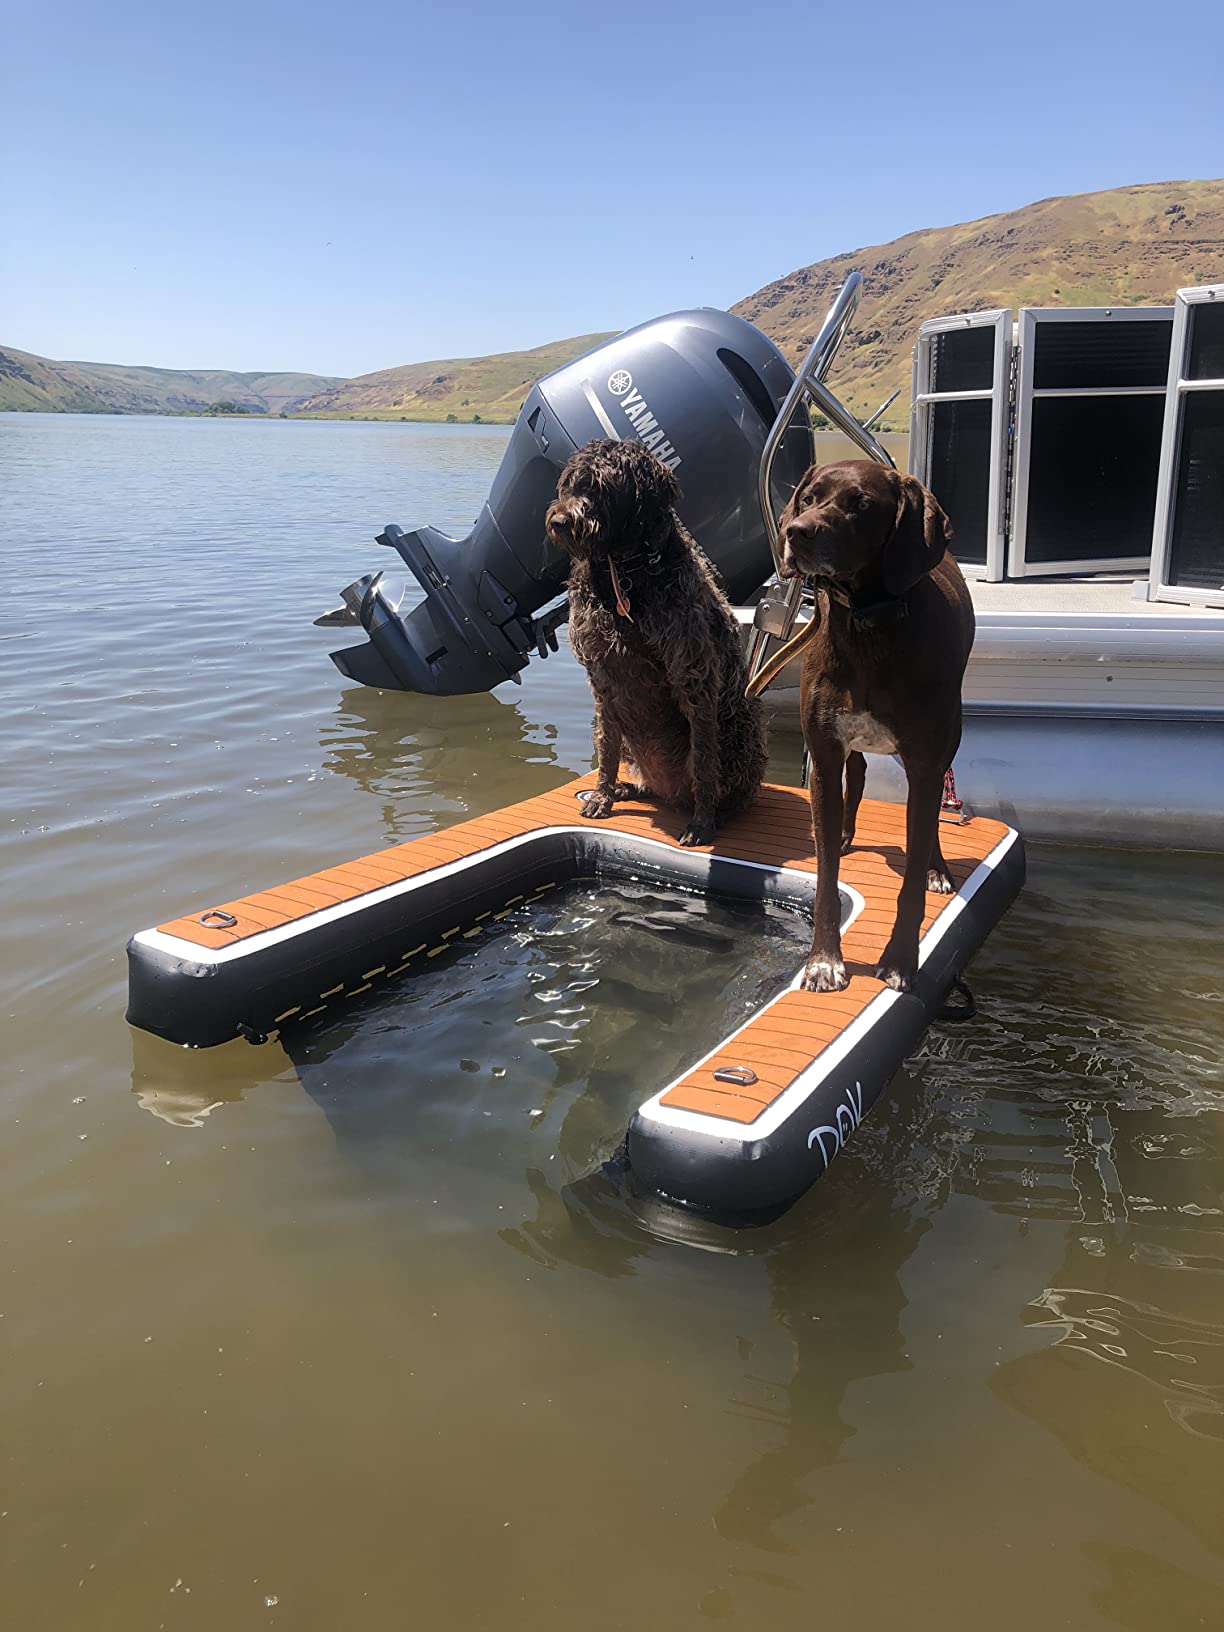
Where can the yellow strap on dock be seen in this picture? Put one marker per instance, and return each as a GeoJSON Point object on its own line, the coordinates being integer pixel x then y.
{"type": "Point", "coordinates": [791, 648]}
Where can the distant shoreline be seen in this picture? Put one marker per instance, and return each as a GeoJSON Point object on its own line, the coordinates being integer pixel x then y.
{"type": "Point", "coordinates": [829, 434]}
{"type": "Point", "coordinates": [186, 413]}
{"type": "Point", "coordinates": [328, 419]}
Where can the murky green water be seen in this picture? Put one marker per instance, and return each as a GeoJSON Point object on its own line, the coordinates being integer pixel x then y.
{"type": "Point", "coordinates": [286, 1343]}
{"type": "Point", "coordinates": [537, 1042]}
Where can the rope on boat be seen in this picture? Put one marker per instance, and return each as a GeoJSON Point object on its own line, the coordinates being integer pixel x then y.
{"type": "Point", "coordinates": [959, 1005]}
{"type": "Point", "coordinates": [789, 649]}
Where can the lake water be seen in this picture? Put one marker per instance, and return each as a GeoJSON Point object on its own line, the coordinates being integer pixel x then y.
{"type": "Point", "coordinates": [365, 1338]}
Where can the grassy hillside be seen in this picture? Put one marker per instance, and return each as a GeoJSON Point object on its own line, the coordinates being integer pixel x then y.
{"type": "Point", "coordinates": [35, 385]}
{"type": "Point", "coordinates": [1127, 247]}
{"type": "Point", "coordinates": [42, 386]}
{"type": "Point", "coordinates": [1132, 246]}
{"type": "Point", "coordinates": [492, 388]}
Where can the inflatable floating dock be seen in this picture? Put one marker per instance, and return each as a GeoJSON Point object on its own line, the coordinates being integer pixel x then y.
{"type": "Point", "coordinates": [744, 1130]}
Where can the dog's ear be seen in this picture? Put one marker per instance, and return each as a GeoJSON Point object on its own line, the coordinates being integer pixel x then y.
{"type": "Point", "coordinates": [919, 538]}
{"type": "Point", "coordinates": [797, 502]}
{"type": "Point", "coordinates": [658, 508]}
{"type": "Point", "coordinates": [666, 485]}
{"type": "Point", "coordinates": [568, 523]}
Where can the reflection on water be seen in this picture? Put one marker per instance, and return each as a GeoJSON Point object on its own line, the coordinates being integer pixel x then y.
{"type": "Point", "coordinates": [432, 761]}
{"type": "Point", "coordinates": [1182, 1359]}
{"type": "Point", "coordinates": [322, 1331]}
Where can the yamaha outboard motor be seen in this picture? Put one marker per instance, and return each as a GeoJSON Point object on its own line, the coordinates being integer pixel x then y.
{"type": "Point", "coordinates": [701, 389]}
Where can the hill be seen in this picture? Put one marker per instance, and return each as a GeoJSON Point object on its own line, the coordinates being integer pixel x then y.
{"type": "Point", "coordinates": [1132, 246]}
{"type": "Point", "coordinates": [36, 385]}
{"type": "Point", "coordinates": [489, 388]}
{"type": "Point", "coordinates": [42, 386]}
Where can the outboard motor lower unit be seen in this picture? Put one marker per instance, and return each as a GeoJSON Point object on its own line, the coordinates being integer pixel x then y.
{"type": "Point", "coordinates": [701, 389]}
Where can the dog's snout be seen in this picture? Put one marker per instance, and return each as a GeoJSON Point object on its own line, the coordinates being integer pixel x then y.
{"type": "Point", "coordinates": [799, 543]}
{"type": "Point", "coordinates": [565, 521]}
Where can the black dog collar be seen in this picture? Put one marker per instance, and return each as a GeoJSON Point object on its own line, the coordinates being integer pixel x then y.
{"type": "Point", "coordinates": [651, 558]}
{"type": "Point", "coordinates": [652, 561]}
{"type": "Point", "coordinates": [865, 613]}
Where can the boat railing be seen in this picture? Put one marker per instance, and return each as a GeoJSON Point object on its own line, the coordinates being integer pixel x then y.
{"type": "Point", "coordinates": [777, 611]}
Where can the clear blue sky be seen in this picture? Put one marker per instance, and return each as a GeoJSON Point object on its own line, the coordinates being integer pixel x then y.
{"type": "Point", "coordinates": [341, 187]}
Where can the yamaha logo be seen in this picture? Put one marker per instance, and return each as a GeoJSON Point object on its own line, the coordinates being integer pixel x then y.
{"type": "Point", "coordinates": [636, 410]}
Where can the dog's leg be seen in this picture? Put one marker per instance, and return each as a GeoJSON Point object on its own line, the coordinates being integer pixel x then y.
{"type": "Point", "coordinates": [635, 785]}
{"type": "Point", "coordinates": [702, 713]}
{"type": "Point", "coordinates": [608, 741]}
{"type": "Point", "coordinates": [825, 970]}
{"type": "Point", "coordinates": [939, 879]}
{"type": "Point", "coordinates": [856, 776]}
{"type": "Point", "coordinates": [899, 964]}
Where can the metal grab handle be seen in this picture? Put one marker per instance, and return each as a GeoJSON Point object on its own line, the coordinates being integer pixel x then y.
{"type": "Point", "coordinates": [809, 381]}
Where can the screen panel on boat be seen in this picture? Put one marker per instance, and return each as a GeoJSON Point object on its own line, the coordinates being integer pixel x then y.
{"type": "Point", "coordinates": [958, 472]}
{"type": "Point", "coordinates": [963, 360]}
{"type": "Point", "coordinates": [1092, 477]}
{"type": "Point", "coordinates": [1206, 361]}
{"type": "Point", "coordinates": [1188, 558]}
{"type": "Point", "coordinates": [1101, 356]}
{"type": "Point", "coordinates": [958, 437]}
{"type": "Point", "coordinates": [1089, 416]}
{"type": "Point", "coordinates": [1196, 559]}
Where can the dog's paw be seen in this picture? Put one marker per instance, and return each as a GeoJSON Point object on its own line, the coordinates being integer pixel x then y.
{"type": "Point", "coordinates": [897, 968]}
{"type": "Point", "coordinates": [825, 975]}
{"type": "Point", "coordinates": [698, 833]}
{"type": "Point", "coordinates": [596, 806]}
{"type": "Point", "coordinates": [938, 883]}
{"type": "Point", "coordinates": [628, 790]}
{"type": "Point", "coordinates": [847, 843]}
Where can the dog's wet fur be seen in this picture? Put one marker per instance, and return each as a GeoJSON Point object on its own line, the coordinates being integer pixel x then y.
{"type": "Point", "coordinates": [669, 678]}
{"type": "Point", "coordinates": [882, 675]}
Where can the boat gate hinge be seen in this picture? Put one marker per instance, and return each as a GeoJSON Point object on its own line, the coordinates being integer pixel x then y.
{"type": "Point", "coordinates": [1009, 469]}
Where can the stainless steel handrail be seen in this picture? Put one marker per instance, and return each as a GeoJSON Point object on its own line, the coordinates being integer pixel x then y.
{"type": "Point", "coordinates": [882, 409]}
{"type": "Point", "coordinates": [809, 384]}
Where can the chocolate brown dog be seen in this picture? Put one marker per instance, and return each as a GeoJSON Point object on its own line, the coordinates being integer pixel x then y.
{"type": "Point", "coordinates": [881, 676]}
{"type": "Point", "coordinates": [659, 641]}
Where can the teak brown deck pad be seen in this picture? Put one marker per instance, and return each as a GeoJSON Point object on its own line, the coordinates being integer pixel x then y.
{"type": "Point", "coordinates": [744, 1130]}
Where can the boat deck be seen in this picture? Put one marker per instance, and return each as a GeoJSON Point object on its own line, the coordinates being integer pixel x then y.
{"type": "Point", "coordinates": [1106, 595]}
{"type": "Point", "coordinates": [780, 1042]}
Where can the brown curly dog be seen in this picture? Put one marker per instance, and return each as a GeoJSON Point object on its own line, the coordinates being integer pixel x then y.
{"type": "Point", "coordinates": [658, 640]}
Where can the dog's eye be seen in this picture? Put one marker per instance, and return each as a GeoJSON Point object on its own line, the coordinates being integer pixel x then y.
{"type": "Point", "coordinates": [864, 502]}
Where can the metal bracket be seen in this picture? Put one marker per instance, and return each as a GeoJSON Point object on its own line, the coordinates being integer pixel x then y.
{"type": "Point", "coordinates": [543, 630]}
{"type": "Point", "coordinates": [742, 1075]}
